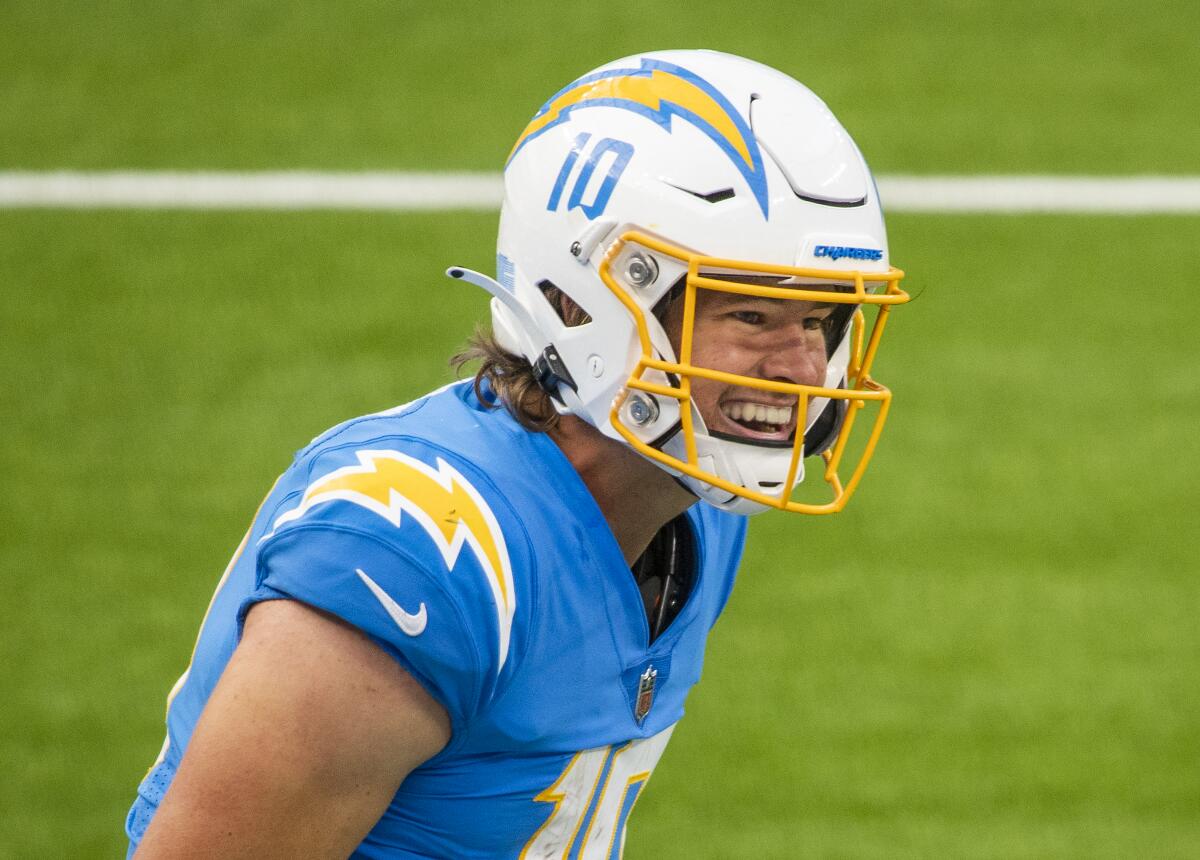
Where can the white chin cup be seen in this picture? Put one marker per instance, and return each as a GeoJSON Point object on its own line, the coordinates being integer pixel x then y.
{"type": "Point", "coordinates": [758, 468]}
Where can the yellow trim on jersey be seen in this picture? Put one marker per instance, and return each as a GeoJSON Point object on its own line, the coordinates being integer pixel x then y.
{"type": "Point", "coordinates": [551, 794]}
{"type": "Point", "coordinates": [643, 778]}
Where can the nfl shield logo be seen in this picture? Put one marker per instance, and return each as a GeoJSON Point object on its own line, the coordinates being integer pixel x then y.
{"type": "Point", "coordinates": [645, 695]}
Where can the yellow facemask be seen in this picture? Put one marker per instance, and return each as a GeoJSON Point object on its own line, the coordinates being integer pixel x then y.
{"type": "Point", "coordinates": [882, 293]}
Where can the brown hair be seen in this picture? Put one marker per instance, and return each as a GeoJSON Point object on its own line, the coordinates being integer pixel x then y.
{"type": "Point", "coordinates": [511, 377]}
{"type": "Point", "coordinates": [511, 380]}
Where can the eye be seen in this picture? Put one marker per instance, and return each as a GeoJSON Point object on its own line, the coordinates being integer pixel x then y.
{"type": "Point", "coordinates": [749, 317]}
{"type": "Point", "coordinates": [819, 320]}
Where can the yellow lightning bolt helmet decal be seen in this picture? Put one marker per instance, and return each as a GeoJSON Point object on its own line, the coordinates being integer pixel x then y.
{"type": "Point", "coordinates": [448, 508]}
{"type": "Point", "coordinates": [650, 92]}
{"type": "Point", "coordinates": [660, 91]}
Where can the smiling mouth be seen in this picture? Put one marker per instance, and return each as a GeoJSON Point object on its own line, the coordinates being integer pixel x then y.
{"type": "Point", "coordinates": [759, 419]}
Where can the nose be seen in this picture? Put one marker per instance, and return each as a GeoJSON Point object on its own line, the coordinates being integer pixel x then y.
{"type": "Point", "coordinates": [798, 357]}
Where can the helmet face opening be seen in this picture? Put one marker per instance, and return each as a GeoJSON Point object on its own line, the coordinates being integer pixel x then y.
{"type": "Point", "coordinates": [821, 416]}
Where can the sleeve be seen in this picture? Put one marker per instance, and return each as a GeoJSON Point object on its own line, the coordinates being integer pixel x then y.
{"type": "Point", "coordinates": [392, 597]}
{"type": "Point", "coordinates": [419, 563]}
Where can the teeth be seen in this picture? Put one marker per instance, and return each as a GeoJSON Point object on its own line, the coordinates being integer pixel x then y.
{"type": "Point", "coordinates": [776, 416]}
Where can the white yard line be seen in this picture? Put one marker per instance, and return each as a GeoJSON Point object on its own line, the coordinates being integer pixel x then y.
{"type": "Point", "coordinates": [433, 191]}
{"type": "Point", "coordinates": [276, 190]}
{"type": "Point", "coordinates": [1117, 195]}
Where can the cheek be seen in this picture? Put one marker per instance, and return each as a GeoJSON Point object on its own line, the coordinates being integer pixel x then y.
{"type": "Point", "coordinates": [731, 354]}
{"type": "Point", "coordinates": [711, 344]}
{"type": "Point", "coordinates": [706, 397]}
{"type": "Point", "coordinates": [672, 323]}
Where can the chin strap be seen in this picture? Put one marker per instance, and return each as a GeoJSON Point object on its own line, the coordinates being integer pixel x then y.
{"type": "Point", "coordinates": [551, 373]}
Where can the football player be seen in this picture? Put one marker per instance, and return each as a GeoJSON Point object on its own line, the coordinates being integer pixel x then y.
{"type": "Point", "coordinates": [466, 626]}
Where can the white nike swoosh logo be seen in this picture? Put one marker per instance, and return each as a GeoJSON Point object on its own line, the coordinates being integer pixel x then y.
{"type": "Point", "coordinates": [412, 625]}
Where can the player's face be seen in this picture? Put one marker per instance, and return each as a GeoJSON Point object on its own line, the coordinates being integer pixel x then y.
{"type": "Point", "coordinates": [776, 339]}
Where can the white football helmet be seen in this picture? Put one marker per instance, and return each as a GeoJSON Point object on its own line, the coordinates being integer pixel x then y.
{"type": "Point", "coordinates": [662, 174]}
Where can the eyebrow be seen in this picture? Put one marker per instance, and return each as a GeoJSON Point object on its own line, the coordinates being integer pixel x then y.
{"type": "Point", "coordinates": [731, 298]}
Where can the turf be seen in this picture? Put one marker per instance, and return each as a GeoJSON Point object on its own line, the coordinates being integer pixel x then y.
{"type": "Point", "coordinates": [991, 654]}
{"type": "Point", "coordinates": [969, 86]}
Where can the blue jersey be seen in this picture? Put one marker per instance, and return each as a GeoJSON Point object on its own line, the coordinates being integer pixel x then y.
{"type": "Point", "coordinates": [470, 550]}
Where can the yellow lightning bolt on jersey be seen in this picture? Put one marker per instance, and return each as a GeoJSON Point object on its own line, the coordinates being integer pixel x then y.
{"type": "Point", "coordinates": [448, 508]}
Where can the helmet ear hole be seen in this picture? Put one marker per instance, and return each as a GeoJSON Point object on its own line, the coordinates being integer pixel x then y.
{"type": "Point", "coordinates": [568, 310]}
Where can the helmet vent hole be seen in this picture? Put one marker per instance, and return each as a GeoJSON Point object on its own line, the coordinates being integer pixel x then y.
{"type": "Point", "coordinates": [720, 195]}
{"type": "Point", "coordinates": [568, 310]}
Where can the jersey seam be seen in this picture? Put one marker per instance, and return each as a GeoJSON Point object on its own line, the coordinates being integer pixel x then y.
{"type": "Point", "coordinates": [330, 435]}
{"type": "Point", "coordinates": [739, 545]}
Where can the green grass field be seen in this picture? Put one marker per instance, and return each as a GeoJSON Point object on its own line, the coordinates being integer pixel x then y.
{"type": "Point", "coordinates": [992, 653]}
{"type": "Point", "coordinates": [959, 86]}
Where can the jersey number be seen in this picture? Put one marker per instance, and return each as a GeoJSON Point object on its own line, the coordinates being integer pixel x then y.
{"type": "Point", "coordinates": [621, 153]}
{"type": "Point", "coordinates": [592, 799]}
